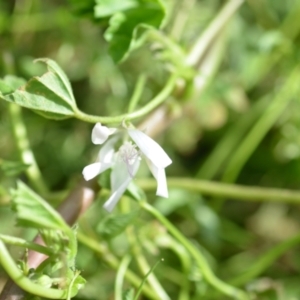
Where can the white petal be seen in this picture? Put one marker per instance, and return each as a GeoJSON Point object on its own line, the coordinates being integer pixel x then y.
{"type": "Point", "coordinates": [150, 148]}
{"type": "Point", "coordinates": [115, 197]}
{"type": "Point", "coordinates": [94, 169]}
{"type": "Point", "coordinates": [120, 179]}
{"type": "Point", "coordinates": [107, 151]}
{"type": "Point", "coordinates": [101, 133]}
{"type": "Point", "coordinates": [120, 173]}
{"type": "Point", "coordinates": [160, 176]}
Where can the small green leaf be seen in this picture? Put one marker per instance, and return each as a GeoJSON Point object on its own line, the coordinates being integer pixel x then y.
{"type": "Point", "coordinates": [33, 211]}
{"type": "Point", "coordinates": [129, 21]}
{"type": "Point", "coordinates": [12, 168]}
{"type": "Point", "coordinates": [50, 94]}
{"type": "Point", "coordinates": [113, 225]}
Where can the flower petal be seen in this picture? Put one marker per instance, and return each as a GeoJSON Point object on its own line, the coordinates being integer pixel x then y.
{"type": "Point", "coordinates": [120, 179]}
{"type": "Point", "coordinates": [107, 151]}
{"type": "Point", "coordinates": [152, 150]}
{"type": "Point", "coordinates": [160, 176]}
{"type": "Point", "coordinates": [120, 173]}
{"type": "Point", "coordinates": [101, 133]}
{"type": "Point", "coordinates": [94, 169]}
{"type": "Point", "coordinates": [115, 197]}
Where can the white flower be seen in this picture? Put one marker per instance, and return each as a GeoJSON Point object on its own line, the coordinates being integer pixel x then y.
{"type": "Point", "coordinates": [126, 161]}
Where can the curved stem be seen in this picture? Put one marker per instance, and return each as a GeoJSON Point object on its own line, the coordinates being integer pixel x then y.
{"type": "Point", "coordinates": [120, 276]}
{"type": "Point", "coordinates": [157, 100]}
{"type": "Point", "coordinates": [206, 271]}
{"type": "Point", "coordinates": [20, 133]}
{"type": "Point", "coordinates": [138, 89]}
{"type": "Point", "coordinates": [25, 283]}
{"type": "Point", "coordinates": [114, 263]}
{"type": "Point", "coordinates": [23, 243]}
{"type": "Point", "coordinates": [233, 191]}
{"type": "Point", "coordinates": [140, 258]}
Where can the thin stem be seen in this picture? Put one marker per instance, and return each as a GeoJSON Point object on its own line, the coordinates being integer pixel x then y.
{"type": "Point", "coordinates": [20, 133]}
{"type": "Point", "coordinates": [185, 260]}
{"type": "Point", "coordinates": [138, 89]}
{"type": "Point", "coordinates": [182, 16]}
{"type": "Point", "coordinates": [120, 276]}
{"type": "Point", "coordinates": [114, 263]}
{"type": "Point", "coordinates": [219, 22]}
{"type": "Point", "coordinates": [233, 191]}
{"type": "Point", "coordinates": [69, 296]}
{"type": "Point", "coordinates": [140, 258]}
{"type": "Point", "coordinates": [262, 126]}
{"type": "Point", "coordinates": [25, 283]}
{"type": "Point", "coordinates": [230, 141]}
{"type": "Point", "coordinates": [265, 260]}
{"type": "Point", "coordinates": [157, 100]}
{"type": "Point", "coordinates": [144, 280]}
{"type": "Point", "coordinates": [23, 243]}
{"type": "Point", "coordinates": [203, 265]}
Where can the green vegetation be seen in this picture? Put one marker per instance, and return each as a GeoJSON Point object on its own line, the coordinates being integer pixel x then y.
{"type": "Point", "coordinates": [215, 83]}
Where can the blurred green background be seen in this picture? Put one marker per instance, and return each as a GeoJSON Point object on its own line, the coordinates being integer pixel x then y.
{"type": "Point", "coordinates": [260, 53]}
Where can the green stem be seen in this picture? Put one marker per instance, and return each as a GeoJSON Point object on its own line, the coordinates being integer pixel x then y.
{"type": "Point", "coordinates": [206, 271]}
{"type": "Point", "coordinates": [233, 191]}
{"type": "Point", "coordinates": [20, 133]}
{"type": "Point", "coordinates": [137, 92]}
{"type": "Point", "coordinates": [265, 261]}
{"type": "Point", "coordinates": [140, 258]}
{"type": "Point", "coordinates": [262, 126]}
{"type": "Point", "coordinates": [216, 160]}
{"type": "Point", "coordinates": [144, 280]}
{"type": "Point", "coordinates": [157, 100]}
{"type": "Point", "coordinates": [22, 243]}
{"type": "Point", "coordinates": [114, 263]}
{"type": "Point", "coordinates": [185, 260]}
{"type": "Point", "coordinates": [219, 22]}
{"type": "Point", "coordinates": [120, 276]}
{"type": "Point", "coordinates": [25, 283]}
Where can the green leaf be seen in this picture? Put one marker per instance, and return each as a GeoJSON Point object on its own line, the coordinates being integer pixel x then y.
{"type": "Point", "coordinates": [12, 168]}
{"type": "Point", "coordinates": [129, 21]}
{"type": "Point", "coordinates": [50, 94]}
{"type": "Point", "coordinates": [33, 211]}
{"type": "Point", "coordinates": [113, 225]}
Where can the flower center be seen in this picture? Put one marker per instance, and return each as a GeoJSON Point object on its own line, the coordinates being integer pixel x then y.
{"type": "Point", "coordinates": [128, 153]}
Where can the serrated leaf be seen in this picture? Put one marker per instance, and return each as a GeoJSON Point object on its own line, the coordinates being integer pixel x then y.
{"type": "Point", "coordinates": [12, 168]}
{"type": "Point", "coordinates": [113, 225]}
{"type": "Point", "coordinates": [33, 211]}
{"type": "Point", "coordinates": [50, 94]}
{"type": "Point", "coordinates": [128, 23]}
